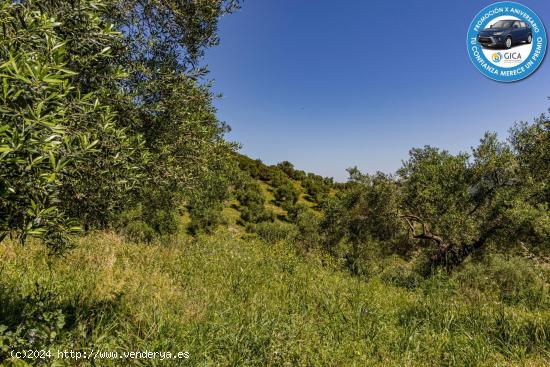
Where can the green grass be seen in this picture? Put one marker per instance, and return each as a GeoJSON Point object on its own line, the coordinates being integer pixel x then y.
{"type": "Point", "coordinates": [234, 302]}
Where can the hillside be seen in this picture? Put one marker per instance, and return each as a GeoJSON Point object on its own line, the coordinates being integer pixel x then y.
{"type": "Point", "coordinates": [134, 233]}
{"type": "Point", "coordinates": [230, 302]}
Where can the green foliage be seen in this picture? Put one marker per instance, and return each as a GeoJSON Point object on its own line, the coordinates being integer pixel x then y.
{"type": "Point", "coordinates": [286, 167]}
{"type": "Point", "coordinates": [98, 118]}
{"type": "Point", "coordinates": [286, 194]}
{"type": "Point", "coordinates": [170, 28]}
{"type": "Point", "coordinates": [206, 205]}
{"type": "Point", "coordinates": [164, 99]}
{"type": "Point", "coordinates": [277, 177]}
{"type": "Point", "coordinates": [512, 281]}
{"type": "Point", "coordinates": [290, 171]}
{"type": "Point", "coordinates": [250, 196]}
{"type": "Point", "coordinates": [255, 168]}
{"type": "Point", "coordinates": [272, 232]}
{"type": "Point", "coordinates": [37, 326]}
{"type": "Point", "coordinates": [139, 231]}
{"type": "Point", "coordinates": [398, 272]}
{"type": "Point", "coordinates": [131, 224]}
{"type": "Point", "coordinates": [316, 187]}
{"type": "Point", "coordinates": [462, 204]}
{"type": "Point", "coordinates": [532, 144]}
{"type": "Point", "coordinates": [143, 224]}
{"type": "Point", "coordinates": [306, 221]}
{"type": "Point", "coordinates": [41, 137]}
{"type": "Point", "coordinates": [364, 217]}
{"type": "Point", "coordinates": [436, 185]}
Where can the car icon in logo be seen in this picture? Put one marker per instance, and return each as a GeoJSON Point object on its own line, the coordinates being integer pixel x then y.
{"type": "Point", "coordinates": [505, 33]}
{"type": "Point", "coordinates": [497, 56]}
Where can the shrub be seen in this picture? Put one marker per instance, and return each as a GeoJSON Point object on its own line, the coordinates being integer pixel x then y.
{"type": "Point", "coordinates": [139, 231]}
{"type": "Point", "coordinates": [39, 326]}
{"type": "Point", "coordinates": [249, 195]}
{"type": "Point", "coordinates": [316, 188]}
{"type": "Point", "coordinates": [307, 224]}
{"type": "Point", "coordinates": [272, 232]}
{"type": "Point", "coordinates": [143, 225]}
{"type": "Point", "coordinates": [286, 193]}
{"type": "Point", "coordinates": [399, 273]}
{"type": "Point", "coordinates": [512, 280]}
{"type": "Point", "coordinates": [205, 220]}
{"type": "Point", "coordinates": [277, 177]}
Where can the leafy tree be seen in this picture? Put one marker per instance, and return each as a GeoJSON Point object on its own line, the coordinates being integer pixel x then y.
{"type": "Point", "coordinates": [41, 139]}
{"type": "Point", "coordinates": [100, 186]}
{"type": "Point", "coordinates": [316, 188]}
{"type": "Point", "coordinates": [206, 205]}
{"type": "Point", "coordinates": [249, 195]}
{"type": "Point", "coordinates": [365, 215]}
{"type": "Point", "coordinates": [104, 108]}
{"type": "Point", "coordinates": [277, 177]}
{"type": "Point", "coordinates": [531, 143]}
{"type": "Point", "coordinates": [287, 168]}
{"type": "Point", "coordinates": [164, 98]}
{"type": "Point", "coordinates": [286, 194]}
{"type": "Point", "coordinates": [462, 205]}
{"type": "Point", "coordinates": [307, 226]}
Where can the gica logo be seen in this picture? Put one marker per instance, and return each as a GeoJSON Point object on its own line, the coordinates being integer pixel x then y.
{"type": "Point", "coordinates": [506, 41]}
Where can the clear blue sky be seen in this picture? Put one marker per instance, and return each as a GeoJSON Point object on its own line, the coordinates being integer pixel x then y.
{"type": "Point", "coordinates": [332, 84]}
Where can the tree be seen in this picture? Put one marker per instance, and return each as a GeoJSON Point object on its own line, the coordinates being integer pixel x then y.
{"type": "Point", "coordinates": [105, 109]}
{"type": "Point", "coordinates": [164, 97]}
{"type": "Point", "coordinates": [41, 136]}
{"type": "Point", "coordinates": [462, 205]}
{"type": "Point", "coordinates": [365, 216]}
{"type": "Point", "coordinates": [249, 195]}
{"type": "Point", "coordinates": [286, 194]}
{"type": "Point", "coordinates": [531, 143]}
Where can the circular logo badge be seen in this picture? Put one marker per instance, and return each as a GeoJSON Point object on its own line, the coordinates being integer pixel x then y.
{"type": "Point", "coordinates": [506, 41]}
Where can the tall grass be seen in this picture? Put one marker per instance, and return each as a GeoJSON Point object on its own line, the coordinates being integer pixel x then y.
{"type": "Point", "coordinates": [233, 302]}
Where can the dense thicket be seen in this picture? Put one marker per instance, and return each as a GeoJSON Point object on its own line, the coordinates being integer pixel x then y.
{"type": "Point", "coordinates": [447, 207]}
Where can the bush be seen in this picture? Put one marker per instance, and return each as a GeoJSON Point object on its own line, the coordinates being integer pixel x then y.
{"type": "Point", "coordinates": [511, 280]}
{"type": "Point", "coordinates": [162, 221]}
{"type": "Point", "coordinates": [249, 194]}
{"type": "Point", "coordinates": [399, 273]}
{"type": "Point", "coordinates": [273, 232]}
{"type": "Point", "coordinates": [39, 326]}
{"type": "Point", "coordinates": [286, 193]}
{"type": "Point", "coordinates": [307, 224]}
{"type": "Point", "coordinates": [139, 231]}
{"type": "Point", "coordinates": [143, 225]}
{"type": "Point", "coordinates": [205, 220]}
{"type": "Point", "coordinates": [277, 177]}
{"type": "Point", "coordinates": [316, 188]}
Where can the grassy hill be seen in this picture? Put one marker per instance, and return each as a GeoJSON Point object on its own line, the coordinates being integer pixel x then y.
{"type": "Point", "coordinates": [234, 302]}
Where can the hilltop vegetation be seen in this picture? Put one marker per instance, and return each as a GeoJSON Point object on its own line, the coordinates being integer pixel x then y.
{"type": "Point", "coordinates": [128, 222]}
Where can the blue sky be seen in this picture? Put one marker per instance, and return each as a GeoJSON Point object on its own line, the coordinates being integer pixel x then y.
{"type": "Point", "coordinates": [332, 84]}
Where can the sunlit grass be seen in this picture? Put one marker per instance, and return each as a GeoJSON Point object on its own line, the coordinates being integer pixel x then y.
{"type": "Point", "coordinates": [233, 302]}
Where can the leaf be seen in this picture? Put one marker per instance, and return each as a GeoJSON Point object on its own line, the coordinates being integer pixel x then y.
{"type": "Point", "coordinates": [59, 45]}
{"type": "Point", "coordinates": [53, 80]}
{"type": "Point", "coordinates": [68, 72]}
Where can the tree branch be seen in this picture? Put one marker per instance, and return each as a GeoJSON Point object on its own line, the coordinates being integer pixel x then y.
{"type": "Point", "coordinates": [426, 234]}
